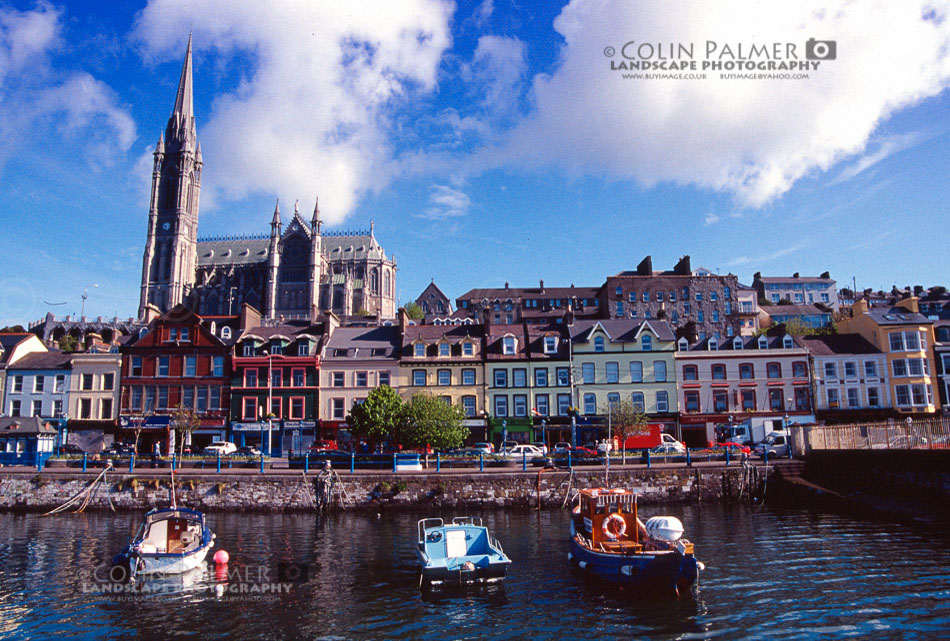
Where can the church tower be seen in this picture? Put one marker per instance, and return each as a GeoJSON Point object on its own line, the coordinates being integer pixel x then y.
{"type": "Point", "coordinates": [168, 267]}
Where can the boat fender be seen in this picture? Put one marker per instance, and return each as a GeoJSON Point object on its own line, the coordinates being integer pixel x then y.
{"type": "Point", "coordinates": [583, 564]}
{"type": "Point", "coordinates": [700, 566]}
{"type": "Point", "coordinates": [614, 526]}
{"type": "Point", "coordinates": [434, 537]}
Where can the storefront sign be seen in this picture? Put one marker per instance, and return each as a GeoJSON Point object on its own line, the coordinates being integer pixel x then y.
{"type": "Point", "coordinates": [148, 422]}
{"type": "Point", "coordinates": [255, 427]}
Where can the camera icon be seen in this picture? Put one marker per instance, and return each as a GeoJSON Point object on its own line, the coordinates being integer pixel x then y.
{"type": "Point", "coordinates": [288, 572]}
{"type": "Point", "coordinates": [821, 49]}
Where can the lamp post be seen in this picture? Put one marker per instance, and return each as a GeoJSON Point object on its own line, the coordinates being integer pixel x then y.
{"type": "Point", "coordinates": [231, 300]}
{"type": "Point", "coordinates": [504, 434]}
{"type": "Point", "coordinates": [270, 400]}
{"type": "Point", "coordinates": [788, 431]}
{"type": "Point", "coordinates": [85, 295]}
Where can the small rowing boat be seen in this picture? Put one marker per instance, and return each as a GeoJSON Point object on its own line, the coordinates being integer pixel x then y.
{"type": "Point", "coordinates": [460, 552]}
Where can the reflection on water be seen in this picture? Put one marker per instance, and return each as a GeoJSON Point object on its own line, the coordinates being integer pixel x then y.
{"type": "Point", "coordinates": [769, 573]}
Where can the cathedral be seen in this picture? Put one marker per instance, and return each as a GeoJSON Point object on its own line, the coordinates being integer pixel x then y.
{"type": "Point", "coordinates": [296, 271]}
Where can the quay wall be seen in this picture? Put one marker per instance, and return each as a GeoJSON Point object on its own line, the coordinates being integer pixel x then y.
{"type": "Point", "coordinates": [888, 474]}
{"type": "Point", "coordinates": [370, 491]}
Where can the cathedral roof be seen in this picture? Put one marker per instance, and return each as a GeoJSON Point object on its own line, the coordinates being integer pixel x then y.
{"type": "Point", "coordinates": [243, 250]}
{"type": "Point", "coordinates": [341, 246]}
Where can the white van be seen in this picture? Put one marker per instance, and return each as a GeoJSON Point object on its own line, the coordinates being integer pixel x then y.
{"type": "Point", "coordinates": [669, 445]}
{"type": "Point", "coordinates": [775, 443]}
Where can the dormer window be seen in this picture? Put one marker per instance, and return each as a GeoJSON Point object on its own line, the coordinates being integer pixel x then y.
{"type": "Point", "coordinates": [173, 334]}
{"type": "Point", "coordinates": [419, 350]}
{"type": "Point", "coordinates": [468, 349]}
{"type": "Point", "coordinates": [226, 333]}
{"type": "Point", "coordinates": [763, 342]}
{"type": "Point", "coordinates": [508, 345]}
{"type": "Point", "coordinates": [184, 333]}
{"type": "Point", "coordinates": [303, 349]}
{"type": "Point", "coordinates": [276, 348]}
{"type": "Point", "coordinates": [550, 344]}
{"type": "Point", "coordinates": [787, 342]}
{"type": "Point", "coordinates": [647, 343]}
{"type": "Point", "coordinates": [737, 342]}
{"type": "Point", "coordinates": [599, 344]}
{"type": "Point", "coordinates": [444, 349]}
{"type": "Point", "coordinates": [683, 344]}
{"type": "Point", "coordinates": [713, 345]}
{"type": "Point", "coordinates": [248, 349]}
{"type": "Point", "coordinates": [214, 327]}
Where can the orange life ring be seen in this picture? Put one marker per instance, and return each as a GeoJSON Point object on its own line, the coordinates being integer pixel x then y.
{"type": "Point", "coordinates": [614, 526]}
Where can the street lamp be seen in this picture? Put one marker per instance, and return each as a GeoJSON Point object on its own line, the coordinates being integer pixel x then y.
{"type": "Point", "coordinates": [788, 431]}
{"type": "Point", "coordinates": [85, 295]}
{"type": "Point", "coordinates": [270, 399]}
{"type": "Point", "coordinates": [231, 300]}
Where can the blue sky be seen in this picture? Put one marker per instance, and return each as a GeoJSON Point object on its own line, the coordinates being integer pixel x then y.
{"type": "Point", "coordinates": [490, 141]}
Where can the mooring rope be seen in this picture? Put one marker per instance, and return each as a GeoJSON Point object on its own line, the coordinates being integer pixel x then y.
{"type": "Point", "coordinates": [85, 494]}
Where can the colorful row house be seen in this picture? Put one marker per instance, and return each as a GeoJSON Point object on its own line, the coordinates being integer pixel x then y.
{"type": "Point", "coordinates": [762, 381]}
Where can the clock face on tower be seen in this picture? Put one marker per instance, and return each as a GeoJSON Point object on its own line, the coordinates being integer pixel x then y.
{"type": "Point", "coordinates": [166, 225]}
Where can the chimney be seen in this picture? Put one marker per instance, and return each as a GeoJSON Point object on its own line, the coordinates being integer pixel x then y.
{"type": "Point", "coordinates": [506, 284]}
{"type": "Point", "coordinates": [486, 319]}
{"type": "Point", "coordinates": [250, 317]}
{"type": "Point", "coordinates": [825, 275]}
{"type": "Point", "coordinates": [542, 285]}
{"type": "Point", "coordinates": [796, 275]}
{"type": "Point", "coordinates": [910, 304]}
{"type": "Point", "coordinates": [859, 307]}
{"type": "Point", "coordinates": [645, 268]}
{"type": "Point", "coordinates": [682, 267]}
{"type": "Point", "coordinates": [403, 320]}
{"type": "Point", "coordinates": [332, 322]}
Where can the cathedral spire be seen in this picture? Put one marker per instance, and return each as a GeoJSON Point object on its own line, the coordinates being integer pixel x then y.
{"type": "Point", "coordinates": [160, 147]}
{"type": "Point", "coordinates": [276, 219]}
{"type": "Point", "coordinates": [184, 101]}
{"type": "Point", "coordinates": [315, 222]}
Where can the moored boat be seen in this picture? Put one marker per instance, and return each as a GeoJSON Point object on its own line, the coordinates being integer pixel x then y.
{"type": "Point", "coordinates": [170, 540]}
{"type": "Point", "coordinates": [609, 541]}
{"type": "Point", "coordinates": [460, 552]}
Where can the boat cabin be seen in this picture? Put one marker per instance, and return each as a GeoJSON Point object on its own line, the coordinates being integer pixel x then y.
{"type": "Point", "coordinates": [174, 531]}
{"type": "Point", "coordinates": [609, 519]}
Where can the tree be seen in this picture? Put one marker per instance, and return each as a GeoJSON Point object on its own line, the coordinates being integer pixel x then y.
{"type": "Point", "coordinates": [430, 421]}
{"type": "Point", "coordinates": [414, 311]}
{"type": "Point", "coordinates": [68, 343]}
{"type": "Point", "coordinates": [13, 329]}
{"type": "Point", "coordinates": [378, 417]}
{"type": "Point", "coordinates": [625, 420]}
{"type": "Point", "coordinates": [184, 421]}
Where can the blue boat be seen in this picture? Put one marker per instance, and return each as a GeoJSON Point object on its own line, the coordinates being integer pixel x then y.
{"type": "Point", "coordinates": [609, 542]}
{"type": "Point", "coordinates": [461, 552]}
{"type": "Point", "coordinates": [171, 540]}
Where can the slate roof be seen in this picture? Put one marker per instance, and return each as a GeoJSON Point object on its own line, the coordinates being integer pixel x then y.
{"type": "Point", "coordinates": [17, 425]}
{"type": "Point", "coordinates": [621, 329]}
{"type": "Point", "coordinates": [255, 249]}
{"type": "Point", "coordinates": [832, 344]}
{"type": "Point", "coordinates": [793, 279]}
{"type": "Point", "coordinates": [897, 316]}
{"type": "Point", "coordinates": [792, 310]}
{"type": "Point", "coordinates": [502, 293]}
{"type": "Point", "coordinates": [44, 360]}
{"type": "Point", "coordinates": [290, 331]}
{"type": "Point", "coordinates": [362, 342]}
{"type": "Point", "coordinates": [8, 341]}
{"type": "Point", "coordinates": [749, 343]}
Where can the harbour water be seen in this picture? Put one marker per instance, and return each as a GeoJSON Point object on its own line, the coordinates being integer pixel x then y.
{"type": "Point", "coordinates": [769, 574]}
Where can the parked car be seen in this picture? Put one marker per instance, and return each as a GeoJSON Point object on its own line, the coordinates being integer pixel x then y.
{"type": "Point", "coordinates": [582, 452]}
{"type": "Point", "coordinates": [224, 448]}
{"type": "Point", "coordinates": [319, 445]}
{"type": "Point", "coordinates": [118, 449]}
{"type": "Point", "coordinates": [247, 450]}
{"type": "Point", "coordinates": [520, 451]}
{"type": "Point", "coordinates": [735, 448]}
{"type": "Point", "coordinates": [562, 447]}
{"type": "Point", "coordinates": [775, 443]}
{"type": "Point", "coordinates": [70, 448]}
{"type": "Point", "coordinates": [507, 445]}
{"type": "Point", "coordinates": [484, 448]}
{"type": "Point", "coordinates": [542, 446]}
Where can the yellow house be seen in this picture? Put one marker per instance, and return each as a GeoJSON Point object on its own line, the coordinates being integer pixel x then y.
{"type": "Point", "coordinates": [906, 337]}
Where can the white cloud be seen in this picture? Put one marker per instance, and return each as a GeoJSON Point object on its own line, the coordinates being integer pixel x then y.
{"type": "Point", "coordinates": [445, 202]}
{"type": "Point", "coordinates": [483, 12]}
{"type": "Point", "coordinates": [310, 117]}
{"type": "Point", "coordinates": [882, 149]}
{"type": "Point", "coordinates": [711, 219]}
{"type": "Point", "coordinates": [35, 96]}
{"type": "Point", "coordinates": [753, 138]}
{"type": "Point", "coordinates": [497, 73]}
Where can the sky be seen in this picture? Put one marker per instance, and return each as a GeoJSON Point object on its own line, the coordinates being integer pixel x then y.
{"type": "Point", "coordinates": [490, 141]}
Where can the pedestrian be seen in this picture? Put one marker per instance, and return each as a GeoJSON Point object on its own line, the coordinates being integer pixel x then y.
{"type": "Point", "coordinates": [156, 453]}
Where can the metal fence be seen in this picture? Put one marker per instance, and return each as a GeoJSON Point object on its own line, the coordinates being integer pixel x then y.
{"type": "Point", "coordinates": [909, 434]}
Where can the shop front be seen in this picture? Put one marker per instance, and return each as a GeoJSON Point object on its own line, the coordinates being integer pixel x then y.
{"type": "Point", "coordinates": [264, 435]}
{"type": "Point", "coordinates": [298, 436]}
{"type": "Point", "coordinates": [518, 429]}
{"type": "Point", "coordinates": [150, 429]}
{"type": "Point", "coordinates": [209, 430]}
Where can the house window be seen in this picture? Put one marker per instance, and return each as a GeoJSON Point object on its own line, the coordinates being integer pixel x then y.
{"type": "Point", "coordinates": [250, 377]}
{"type": "Point", "coordinates": [162, 398]}
{"type": "Point", "coordinates": [500, 377]}
{"type": "Point", "coordinates": [419, 350]}
{"type": "Point", "coordinates": [715, 315]}
{"type": "Point", "coordinates": [339, 413]}
{"type": "Point", "coordinates": [737, 343]}
{"type": "Point", "coordinates": [599, 344]}
{"type": "Point", "coordinates": [163, 366]}
{"type": "Point", "coordinates": [383, 378]}
{"type": "Point", "coordinates": [468, 405]}
{"type": "Point", "coordinates": [713, 345]}
{"type": "Point", "coordinates": [191, 366]}
{"type": "Point", "coordinates": [853, 399]}
{"type": "Point", "coordinates": [686, 308]}
{"type": "Point", "coordinates": [774, 370]}
{"type": "Point", "coordinates": [550, 344]}
{"type": "Point", "coordinates": [691, 373]}
{"type": "Point", "coordinates": [85, 381]}
{"type": "Point", "coordinates": [720, 401]}
{"type": "Point", "coordinates": [632, 297]}
{"type": "Point", "coordinates": [850, 369]}
{"type": "Point", "coordinates": [520, 405]}
{"type": "Point", "coordinates": [563, 377]}
{"type": "Point", "coordinates": [202, 405]}
{"type": "Point", "coordinates": [563, 404]}
{"type": "Point", "coordinates": [519, 377]}
{"type": "Point", "coordinates": [105, 408]}
{"type": "Point", "coordinates": [541, 404]}
{"type": "Point", "coordinates": [699, 297]}
{"type": "Point", "coordinates": [763, 342]}
{"type": "Point", "coordinates": [776, 400]}
{"type": "Point", "coordinates": [619, 291]}
{"type": "Point", "coordinates": [662, 401]}
{"type": "Point", "coordinates": [541, 377]}
{"type": "Point", "coordinates": [303, 349]}
{"type": "Point", "coordinates": [276, 348]}
{"type": "Point", "coordinates": [659, 371]}
{"type": "Point", "coordinates": [60, 382]}
{"type": "Point", "coordinates": [444, 349]}
{"type": "Point", "coordinates": [217, 366]}
{"type": "Point", "coordinates": [748, 400]}
{"type": "Point", "coordinates": [718, 372]}
{"type": "Point", "coordinates": [620, 308]}
{"type": "Point", "coordinates": [188, 397]}
{"type": "Point", "coordinates": [833, 401]}
{"type": "Point", "coordinates": [613, 372]}
{"type": "Point", "coordinates": [639, 405]}
{"type": "Point", "coordinates": [801, 399]}
{"type": "Point", "coordinates": [900, 367]}
{"type": "Point", "coordinates": [248, 349]}
{"type": "Point", "coordinates": [85, 408]}
{"type": "Point", "coordinates": [636, 372]}
{"type": "Point", "coordinates": [646, 297]}
{"type": "Point", "coordinates": [419, 377]}
{"type": "Point", "coordinates": [339, 379]}
{"type": "Point", "coordinates": [692, 401]}
{"type": "Point", "coordinates": [508, 345]}
{"type": "Point", "coordinates": [746, 370]}
{"type": "Point", "coordinates": [870, 369]}
{"type": "Point", "coordinates": [590, 404]}
{"type": "Point", "coordinates": [362, 379]}
{"type": "Point", "coordinates": [727, 308]}
{"type": "Point", "coordinates": [184, 333]}
{"type": "Point", "coordinates": [501, 406]}
{"type": "Point", "coordinates": [173, 334]}
{"type": "Point", "coordinates": [713, 296]}
{"type": "Point", "coordinates": [14, 408]}
{"type": "Point", "coordinates": [250, 408]}
{"type": "Point", "coordinates": [18, 383]}
{"type": "Point", "coordinates": [468, 349]}
{"type": "Point", "coordinates": [874, 398]}
{"type": "Point", "coordinates": [296, 407]}
{"type": "Point", "coordinates": [646, 343]}
{"type": "Point", "coordinates": [799, 369]}
{"type": "Point", "coordinates": [587, 371]}
{"type": "Point", "coordinates": [445, 377]}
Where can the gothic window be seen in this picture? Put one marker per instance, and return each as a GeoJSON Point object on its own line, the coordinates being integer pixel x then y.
{"type": "Point", "coordinates": [387, 285]}
{"type": "Point", "coordinates": [374, 281]}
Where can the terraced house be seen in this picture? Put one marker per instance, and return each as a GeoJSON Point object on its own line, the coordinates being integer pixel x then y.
{"type": "Point", "coordinates": [907, 338]}
{"type": "Point", "coordinates": [445, 361]}
{"type": "Point", "coordinates": [628, 360]}
{"type": "Point", "coordinates": [755, 380]}
{"type": "Point", "coordinates": [507, 371]}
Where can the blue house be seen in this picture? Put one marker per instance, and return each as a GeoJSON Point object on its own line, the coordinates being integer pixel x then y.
{"type": "Point", "coordinates": [26, 440]}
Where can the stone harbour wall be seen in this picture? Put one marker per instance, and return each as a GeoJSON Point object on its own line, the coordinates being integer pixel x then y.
{"type": "Point", "coordinates": [407, 491]}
